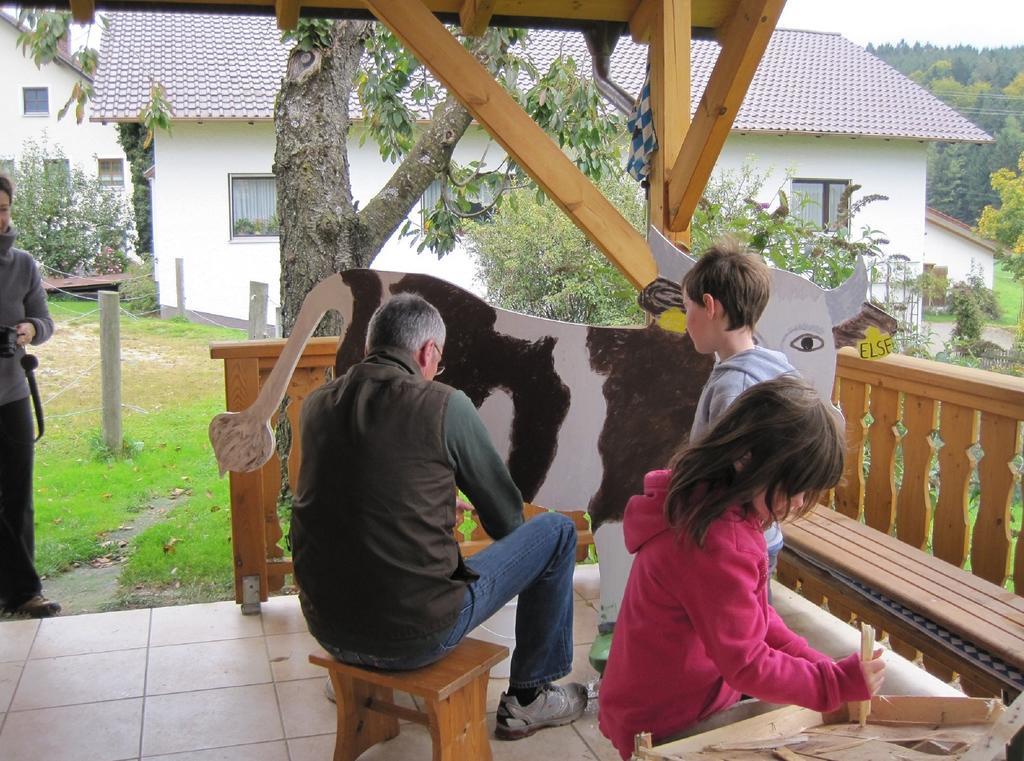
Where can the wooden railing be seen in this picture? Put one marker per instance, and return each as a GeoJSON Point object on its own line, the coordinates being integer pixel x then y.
{"type": "Point", "coordinates": [260, 561]}
{"type": "Point", "coordinates": [956, 432]}
{"type": "Point", "coordinates": [933, 464]}
{"type": "Point", "coordinates": [954, 428]}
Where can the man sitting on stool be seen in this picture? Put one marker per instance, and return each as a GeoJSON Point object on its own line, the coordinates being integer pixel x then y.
{"type": "Point", "coordinates": [382, 582]}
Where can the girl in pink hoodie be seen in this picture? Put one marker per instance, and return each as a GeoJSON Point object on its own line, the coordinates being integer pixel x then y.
{"type": "Point", "coordinates": [695, 631]}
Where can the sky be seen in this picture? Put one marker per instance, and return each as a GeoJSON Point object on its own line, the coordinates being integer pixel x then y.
{"type": "Point", "coordinates": [981, 23]}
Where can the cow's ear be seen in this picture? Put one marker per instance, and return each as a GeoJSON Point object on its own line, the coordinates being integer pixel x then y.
{"type": "Point", "coordinates": [845, 300]}
{"type": "Point", "coordinates": [671, 262]}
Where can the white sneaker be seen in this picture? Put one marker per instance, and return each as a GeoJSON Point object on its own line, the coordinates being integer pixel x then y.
{"type": "Point", "coordinates": [554, 706]}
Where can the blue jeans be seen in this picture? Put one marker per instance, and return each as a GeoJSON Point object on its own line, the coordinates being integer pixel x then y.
{"type": "Point", "coordinates": [536, 562]}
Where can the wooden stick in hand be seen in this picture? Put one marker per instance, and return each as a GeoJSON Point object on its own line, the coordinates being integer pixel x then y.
{"type": "Point", "coordinates": [867, 650]}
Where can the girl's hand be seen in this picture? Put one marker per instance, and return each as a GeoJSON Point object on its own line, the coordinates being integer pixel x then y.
{"type": "Point", "coordinates": [26, 332]}
{"type": "Point", "coordinates": [873, 671]}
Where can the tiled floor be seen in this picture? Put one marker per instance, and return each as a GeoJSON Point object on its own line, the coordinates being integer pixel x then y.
{"type": "Point", "coordinates": [205, 683]}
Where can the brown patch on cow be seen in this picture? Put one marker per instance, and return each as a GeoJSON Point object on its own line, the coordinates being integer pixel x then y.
{"type": "Point", "coordinates": [367, 293]}
{"type": "Point", "coordinates": [654, 379]}
{"type": "Point", "coordinates": [852, 332]}
{"type": "Point", "coordinates": [478, 359]}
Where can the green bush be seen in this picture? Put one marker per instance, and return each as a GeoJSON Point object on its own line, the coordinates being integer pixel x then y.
{"type": "Point", "coordinates": [65, 218]}
{"type": "Point", "coordinates": [973, 304]}
{"type": "Point", "coordinates": [139, 292]}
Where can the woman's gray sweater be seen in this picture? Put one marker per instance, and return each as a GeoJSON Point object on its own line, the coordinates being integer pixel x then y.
{"type": "Point", "coordinates": [22, 299]}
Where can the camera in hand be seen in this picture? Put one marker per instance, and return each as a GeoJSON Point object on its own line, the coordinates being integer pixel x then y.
{"type": "Point", "coordinates": [8, 341]}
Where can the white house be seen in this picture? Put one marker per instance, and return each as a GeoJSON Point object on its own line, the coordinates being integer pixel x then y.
{"type": "Point", "coordinates": [820, 114]}
{"type": "Point", "coordinates": [953, 249]}
{"type": "Point", "coordinates": [30, 98]}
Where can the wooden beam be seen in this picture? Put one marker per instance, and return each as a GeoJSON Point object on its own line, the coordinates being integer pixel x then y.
{"type": "Point", "coordinates": [744, 39]}
{"type": "Point", "coordinates": [475, 15]}
{"type": "Point", "coordinates": [670, 102]}
{"type": "Point", "coordinates": [287, 12]}
{"type": "Point", "coordinates": [83, 11]}
{"type": "Point", "coordinates": [519, 135]}
{"type": "Point", "coordinates": [642, 19]}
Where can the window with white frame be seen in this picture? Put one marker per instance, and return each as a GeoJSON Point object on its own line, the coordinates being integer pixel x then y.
{"type": "Point", "coordinates": [253, 206]}
{"type": "Point", "coordinates": [110, 172]}
{"type": "Point", "coordinates": [35, 101]}
{"type": "Point", "coordinates": [817, 201]}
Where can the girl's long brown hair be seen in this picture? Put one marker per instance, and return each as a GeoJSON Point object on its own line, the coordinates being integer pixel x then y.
{"type": "Point", "coordinates": [784, 438]}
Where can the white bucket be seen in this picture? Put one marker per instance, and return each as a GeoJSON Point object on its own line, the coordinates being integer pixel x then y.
{"type": "Point", "coordinates": [500, 629]}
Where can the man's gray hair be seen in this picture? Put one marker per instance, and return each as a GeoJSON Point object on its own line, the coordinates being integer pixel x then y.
{"type": "Point", "coordinates": [407, 321]}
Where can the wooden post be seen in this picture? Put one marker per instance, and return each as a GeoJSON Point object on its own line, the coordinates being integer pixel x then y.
{"type": "Point", "coordinates": [670, 103]}
{"type": "Point", "coordinates": [179, 281]}
{"type": "Point", "coordinates": [259, 293]}
{"type": "Point", "coordinates": [110, 363]}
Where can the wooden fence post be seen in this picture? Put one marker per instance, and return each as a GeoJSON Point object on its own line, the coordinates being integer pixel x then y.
{"type": "Point", "coordinates": [179, 282]}
{"type": "Point", "coordinates": [110, 364]}
{"type": "Point", "coordinates": [259, 294]}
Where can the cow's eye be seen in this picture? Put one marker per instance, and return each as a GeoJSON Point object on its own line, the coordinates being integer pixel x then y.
{"type": "Point", "coordinates": [807, 342]}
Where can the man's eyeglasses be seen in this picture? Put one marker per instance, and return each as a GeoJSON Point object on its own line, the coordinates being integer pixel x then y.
{"type": "Point", "coordinates": [440, 367]}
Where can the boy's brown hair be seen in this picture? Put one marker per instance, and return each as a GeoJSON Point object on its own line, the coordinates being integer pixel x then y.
{"type": "Point", "coordinates": [6, 186]}
{"type": "Point", "coordinates": [733, 275]}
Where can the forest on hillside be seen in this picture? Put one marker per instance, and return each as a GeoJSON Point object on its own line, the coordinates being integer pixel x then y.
{"type": "Point", "coordinates": [987, 87]}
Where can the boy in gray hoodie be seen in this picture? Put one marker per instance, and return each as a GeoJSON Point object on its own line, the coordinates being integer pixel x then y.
{"type": "Point", "coordinates": [724, 295]}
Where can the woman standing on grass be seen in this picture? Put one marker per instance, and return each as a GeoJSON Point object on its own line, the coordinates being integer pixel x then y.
{"type": "Point", "coordinates": [22, 310]}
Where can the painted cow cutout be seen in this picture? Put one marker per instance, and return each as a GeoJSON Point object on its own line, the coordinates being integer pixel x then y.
{"type": "Point", "coordinates": [580, 413]}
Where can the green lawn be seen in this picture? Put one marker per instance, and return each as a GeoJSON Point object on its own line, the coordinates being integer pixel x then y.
{"type": "Point", "coordinates": [1008, 294]}
{"type": "Point", "coordinates": [87, 500]}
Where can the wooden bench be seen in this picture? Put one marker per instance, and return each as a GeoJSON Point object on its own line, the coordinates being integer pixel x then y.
{"type": "Point", "coordinates": [454, 691]}
{"type": "Point", "coordinates": [958, 621]}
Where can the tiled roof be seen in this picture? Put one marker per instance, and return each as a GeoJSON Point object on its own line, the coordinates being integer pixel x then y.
{"type": "Point", "coordinates": [230, 67]}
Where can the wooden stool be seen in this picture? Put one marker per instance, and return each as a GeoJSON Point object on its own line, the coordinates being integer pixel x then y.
{"type": "Point", "coordinates": [454, 690]}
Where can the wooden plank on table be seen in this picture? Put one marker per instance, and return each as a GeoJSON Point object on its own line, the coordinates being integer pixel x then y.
{"type": "Point", "coordinates": [475, 15]}
{"type": "Point", "coordinates": [965, 615]}
{"type": "Point", "coordinates": [914, 504]}
{"type": "Point", "coordinates": [958, 429]}
{"type": "Point", "coordinates": [990, 550]}
{"type": "Point", "coordinates": [837, 528]}
{"type": "Point", "coordinates": [993, 745]}
{"type": "Point", "coordinates": [743, 38]}
{"type": "Point", "coordinates": [880, 505]}
{"type": "Point", "coordinates": [519, 135]}
{"type": "Point", "coordinates": [963, 603]}
{"type": "Point", "coordinates": [670, 103]}
{"type": "Point", "coordinates": [780, 723]}
{"type": "Point", "coordinates": [904, 638]}
{"type": "Point", "coordinates": [991, 617]}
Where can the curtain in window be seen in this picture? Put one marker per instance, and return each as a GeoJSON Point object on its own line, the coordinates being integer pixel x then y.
{"type": "Point", "coordinates": [807, 201]}
{"type": "Point", "coordinates": [253, 206]}
{"type": "Point", "coordinates": [835, 192]}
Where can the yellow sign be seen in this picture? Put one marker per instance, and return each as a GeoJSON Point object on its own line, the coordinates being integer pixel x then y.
{"type": "Point", "coordinates": [673, 320]}
{"type": "Point", "coordinates": [875, 345]}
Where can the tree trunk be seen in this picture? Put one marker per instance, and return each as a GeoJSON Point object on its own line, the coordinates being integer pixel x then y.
{"type": "Point", "coordinates": [321, 231]}
{"type": "Point", "coordinates": [314, 194]}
